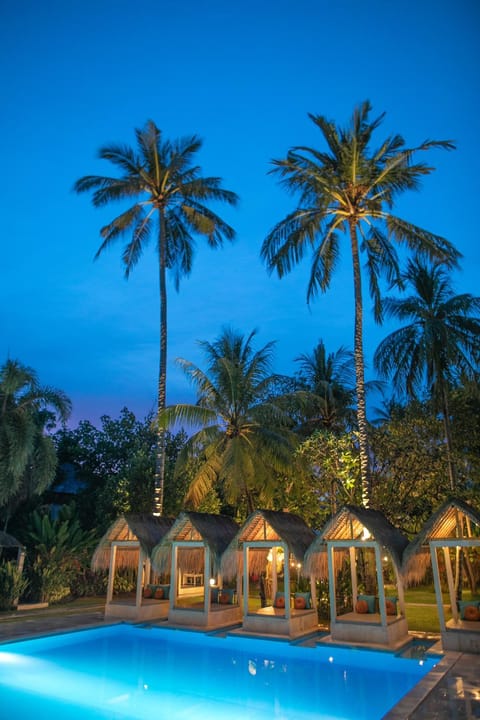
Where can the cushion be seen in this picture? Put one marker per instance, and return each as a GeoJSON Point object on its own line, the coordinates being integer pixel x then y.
{"type": "Point", "coordinates": [214, 594]}
{"type": "Point", "coordinates": [224, 598]}
{"type": "Point", "coordinates": [306, 596]}
{"type": "Point", "coordinates": [370, 600]}
{"type": "Point", "coordinates": [300, 603]}
{"type": "Point", "coordinates": [361, 607]}
{"type": "Point", "coordinates": [280, 600]}
{"type": "Point", "coordinates": [464, 604]}
{"type": "Point", "coordinates": [158, 595]}
{"type": "Point", "coordinates": [165, 588]}
{"type": "Point", "coordinates": [471, 612]}
{"type": "Point", "coordinates": [147, 592]}
{"type": "Point", "coordinates": [390, 607]}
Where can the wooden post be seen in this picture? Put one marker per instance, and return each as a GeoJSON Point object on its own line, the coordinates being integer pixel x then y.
{"type": "Point", "coordinates": [353, 574]}
{"type": "Point", "coordinates": [111, 572]}
{"type": "Point", "coordinates": [438, 587]}
{"type": "Point", "coordinates": [274, 573]}
{"type": "Point", "coordinates": [206, 579]}
{"type": "Point", "coordinates": [246, 577]}
{"type": "Point", "coordinates": [400, 591]}
{"type": "Point", "coordinates": [286, 581]}
{"type": "Point", "coordinates": [381, 589]}
{"type": "Point", "coordinates": [451, 584]}
{"type": "Point", "coordinates": [313, 590]}
{"type": "Point", "coordinates": [174, 577]}
{"type": "Point", "coordinates": [331, 582]}
{"type": "Point", "coordinates": [138, 597]}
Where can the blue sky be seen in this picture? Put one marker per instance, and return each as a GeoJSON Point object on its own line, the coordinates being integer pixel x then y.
{"type": "Point", "coordinates": [79, 75]}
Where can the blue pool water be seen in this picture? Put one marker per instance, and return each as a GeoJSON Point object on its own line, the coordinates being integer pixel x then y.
{"type": "Point", "coordinates": [126, 672]}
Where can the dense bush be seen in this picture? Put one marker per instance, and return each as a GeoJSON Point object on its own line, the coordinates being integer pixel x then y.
{"type": "Point", "coordinates": [12, 585]}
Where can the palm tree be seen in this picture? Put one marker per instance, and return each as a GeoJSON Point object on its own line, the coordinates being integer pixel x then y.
{"type": "Point", "coordinates": [244, 436]}
{"type": "Point", "coordinates": [440, 345]}
{"type": "Point", "coordinates": [28, 458]}
{"type": "Point", "coordinates": [350, 189]}
{"type": "Point", "coordinates": [169, 193]}
{"type": "Point", "coordinates": [329, 378]}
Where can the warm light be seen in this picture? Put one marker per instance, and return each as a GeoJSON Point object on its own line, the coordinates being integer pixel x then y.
{"type": "Point", "coordinates": [365, 534]}
{"type": "Point", "coordinates": [385, 558]}
{"type": "Point", "coordinates": [212, 582]}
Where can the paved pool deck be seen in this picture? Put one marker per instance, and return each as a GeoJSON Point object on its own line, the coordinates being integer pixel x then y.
{"type": "Point", "coordinates": [449, 692]}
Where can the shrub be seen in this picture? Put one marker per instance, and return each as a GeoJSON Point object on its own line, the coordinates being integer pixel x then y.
{"type": "Point", "coordinates": [12, 585]}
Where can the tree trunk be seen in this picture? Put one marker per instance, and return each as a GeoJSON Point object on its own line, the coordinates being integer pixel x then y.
{"type": "Point", "coordinates": [159, 478]}
{"type": "Point", "coordinates": [360, 370]}
{"type": "Point", "coordinates": [448, 438]}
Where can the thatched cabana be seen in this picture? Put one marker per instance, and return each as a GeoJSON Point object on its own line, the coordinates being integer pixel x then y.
{"type": "Point", "coordinates": [452, 535]}
{"type": "Point", "coordinates": [361, 539]}
{"type": "Point", "coordinates": [191, 551]}
{"type": "Point", "coordinates": [128, 543]}
{"type": "Point", "coordinates": [267, 551]}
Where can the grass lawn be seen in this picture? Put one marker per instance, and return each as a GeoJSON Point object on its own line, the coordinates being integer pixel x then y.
{"type": "Point", "coordinates": [422, 618]}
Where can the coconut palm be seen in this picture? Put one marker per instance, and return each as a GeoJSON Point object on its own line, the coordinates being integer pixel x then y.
{"type": "Point", "coordinates": [329, 378]}
{"type": "Point", "coordinates": [169, 193]}
{"type": "Point", "coordinates": [438, 347]}
{"type": "Point", "coordinates": [349, 190]}
{"type": "Point", "coordinates": [28, 458]}
{"type": "Point", "coordinates": [244, 437]}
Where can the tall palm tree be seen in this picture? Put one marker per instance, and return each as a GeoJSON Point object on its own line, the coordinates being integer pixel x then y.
{"type": "Point", "coordinates": [349, 189]}
{"type": "Point", "coordinates": [169, 193]}
{"type": "Point", "coordinates": [330, 380]}
{"type": "Point", "coordinates": [244, 436]}
{"type": "Point", "coordinates": [27, 454]}
{"type": "Point", "coordinates": [438, 346]}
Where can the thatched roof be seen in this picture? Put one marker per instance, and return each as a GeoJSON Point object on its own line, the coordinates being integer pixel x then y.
{"type": "Point", "coordinates": [449, 522]}
{"type": "Point", "coordinates": [8, 541]}
{"type": "Point", "coordinates": [214, 531]}
{"type": "Point", "coordinates": [267, 525]}
{"type": "Point", "coordinates": [131, 527]}
{"type": "Point", "coordinates": [348, 524]}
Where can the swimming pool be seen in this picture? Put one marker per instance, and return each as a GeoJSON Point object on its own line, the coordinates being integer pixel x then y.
{"type": "Point", "coordinates": [129, 672]}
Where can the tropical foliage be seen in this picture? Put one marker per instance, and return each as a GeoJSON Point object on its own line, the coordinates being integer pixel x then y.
{"type": "Point", "coordinates": [170, 195]}
{"type": "Point", "coordinates": [12, 585]}
{"type": "Point", "coordinates": [348, 190]}
{"type": "Point", "coordinates": [329, 379]}
{"type": "Point", "coordinates": [335, 468]}
{"type": "Point", "coordinates": [245, 438]}
{"type": "Point", "coordinates": [28, 411]}
{"type": "Point", "coordinates": [54, 551]}
{"type": "Point", "coordinates": [111, 469]}
{"type": "Point", "coordinates": [438, 347]}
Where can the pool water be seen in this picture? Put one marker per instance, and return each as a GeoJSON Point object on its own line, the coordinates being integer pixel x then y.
{"type": "Point", "coordinates": [131, 672]}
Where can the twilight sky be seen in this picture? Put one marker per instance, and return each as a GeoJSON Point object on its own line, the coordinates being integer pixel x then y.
{"type": "Point", "coordinates": [79, 74]}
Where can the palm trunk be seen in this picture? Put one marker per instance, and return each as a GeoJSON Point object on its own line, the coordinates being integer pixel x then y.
{"type": "Point", "coordinates": [360, 370]}
{"type": "Point", "coordinates": [159, 478]}
{"type": "Point", "coordinates": [448, 438]}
